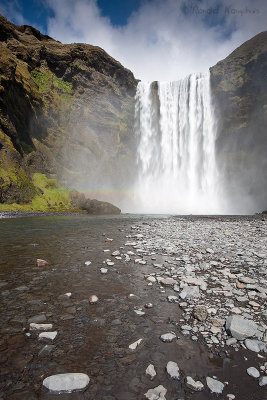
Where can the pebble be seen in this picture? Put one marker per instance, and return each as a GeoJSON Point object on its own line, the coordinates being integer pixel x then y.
{"type": "Point", "coordinates": [87, 263]}
{"type": "Point", "coordinates": [173, 370]}
{"type": "Point", "coordinates": [103, 270]}
{"type": "Point", "coordinates": [253, 372]}
{"type": "Point", "coordinates": [158, 393]}
{"type": "Point", "coordinates": [134, 345]}
{"type": "Point", "coordinates": [139, 312]}
{"type": "Point", "coordinates": [197, 386]}
{"type": "Point", "coordinates": [148, 305]}
{"type": "Point", "coordinates": [200, 313]}
{"type": "Point", "coordinates": [254, 345]}
{"type": "Point", "coordinates": [172, 299]}
{"type": "Point", "coordinates": [48, 335]}
{"type": "Point", "coordinates": [66, 383]}
{"type": "Point", "coordinates": [40, 327]}
{"type": "Point", "coordinates": [168, 337]}
{"type": "Point", "coordinates": [151, 371]}
{"type": "Point", "coordinates": [214, 385]}
{"type": "Point", "coordinates": [93, 299]}
{"type": "Point", "coordinates": [41, 263]}
{"type": "Point", "coordinates": [263, 381]}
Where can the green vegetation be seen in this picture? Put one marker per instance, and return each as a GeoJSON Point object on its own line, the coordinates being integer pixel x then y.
{"type": "Point", "coordinates": [50, 196]}
{"type": "Point", "coordinates": [52, 88]}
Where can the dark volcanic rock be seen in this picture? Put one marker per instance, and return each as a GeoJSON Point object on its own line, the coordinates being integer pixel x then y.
{"type": "Point", "coordinates": [239, 89]}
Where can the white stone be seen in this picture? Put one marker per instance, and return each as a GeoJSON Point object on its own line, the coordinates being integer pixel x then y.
{"type": "Point", "coordinates": [66, 383]}
{"type": "Point", "coordinates": [240, 328]}
{"type": "Point", "coordinates": [48, 335]}
{"type": "Point", "coordinates": [263, 381]}
{"type": "Point", "coordinates": [151, 279]}
{"type": "Point", "coordinates": [103, 270]}
{"type": "Point", "coordinates": [167, 281]}
{"type": "Point", "coordinates": [93, 299]}
{"type": "Point", "coordinates": [194, 385]}
{"type": "Point", "coordinates": [190, 292]}
{"type": "Point", "coordinates": [110, 263]}
{"type": "Point", "coordinates": [134, 345]}
{"type": "Point", "coordinates": [158, 393]}
{"type": "Point", "coordinates": [173, 370]}
{"type": "Point", "coordinates": [87, 263]}
{"type": "Point", "coordinates": [214, 385]}
{"type": "Point", "coordinates": [151, 371]}
{"type": "Point", "coordinates": [168, 337]}
{"type": "Point", "coordinates": [254, 345]}
{"type": "Point", "coordinates": [253, 372]}
{"type": "Point", "coordinates": [40, 327]}
{"type": "Point", "coordinates": [139, 312]}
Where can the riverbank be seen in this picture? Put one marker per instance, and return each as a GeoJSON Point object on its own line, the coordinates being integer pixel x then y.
{"type": "Point", "coordinates": [150, 276]}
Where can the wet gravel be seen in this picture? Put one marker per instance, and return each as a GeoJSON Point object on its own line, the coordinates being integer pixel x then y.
{"type": "Point", "coordinates": [94, 338]}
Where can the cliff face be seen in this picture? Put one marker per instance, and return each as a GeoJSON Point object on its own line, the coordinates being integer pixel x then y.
{"type": "Point", "coordinates": [239, 89]}
{"type": "Point", "coordinates": [65, 110]}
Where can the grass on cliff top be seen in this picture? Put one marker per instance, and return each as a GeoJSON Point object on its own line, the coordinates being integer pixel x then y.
{"type": "Point", "coordinates": [52, 197]}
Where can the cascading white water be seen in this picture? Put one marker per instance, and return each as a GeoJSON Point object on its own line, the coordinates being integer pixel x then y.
{"type": "Point", "coordinates": [176, 133]}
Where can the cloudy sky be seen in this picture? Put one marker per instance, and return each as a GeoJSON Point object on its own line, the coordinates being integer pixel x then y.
{"type": "Point", "coordinates": [156, 39]}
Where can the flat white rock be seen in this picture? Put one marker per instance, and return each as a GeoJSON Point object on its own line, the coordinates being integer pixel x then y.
{"type": "Point", "coordinates": [40, 327]}
{"type": "Point", "coordinates": [214, 385]}
{"type": "Point", "coordinates": [158, 393]}
{"type": "Point", "coordinates": [151, 371]}
{"type": "Point", "coordinates": [103, 270]}
{"type": "Point", "coordinates": [168, 337]}
{"type": "Point", "coordinates": [66, 383]}
{"type": "Point", "coordinates": [240, 328]}
{"type": "Point", "coordinates": [173, 370]}
{"type": "Point", "coordinates": [139, 312]}
{"type": "Point", "coordinates": [48, 335]}
{"type": "Point", "coordinates": [134, 345]}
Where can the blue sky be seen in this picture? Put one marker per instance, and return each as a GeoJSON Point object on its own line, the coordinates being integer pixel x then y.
{"type": "Point", "coordinates": [156, 39]}
{"type": "Point", "coordinates": [36, 12]}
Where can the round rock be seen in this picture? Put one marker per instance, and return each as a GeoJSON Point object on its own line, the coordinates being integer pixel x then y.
{"type": "Point", "coordinates": [253, 372]}
{"type": "Point", "coordinates": [66, 383]}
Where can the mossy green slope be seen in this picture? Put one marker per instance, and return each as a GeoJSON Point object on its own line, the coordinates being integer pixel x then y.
{"type": "Point", "coordinates": [60, 104]}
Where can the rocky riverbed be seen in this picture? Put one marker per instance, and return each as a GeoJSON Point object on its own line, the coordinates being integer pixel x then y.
{"type": "Point", "coordinates": [133, 307]}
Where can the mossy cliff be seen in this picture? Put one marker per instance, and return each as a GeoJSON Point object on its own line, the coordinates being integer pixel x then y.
{"type": "Point", "coordinates": [64, 110]}
{"type": "Point", "coordinates": [239, 90]}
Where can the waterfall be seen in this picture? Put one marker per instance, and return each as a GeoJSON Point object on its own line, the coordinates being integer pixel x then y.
{"type": "Point", "coordinates": [176, 131]}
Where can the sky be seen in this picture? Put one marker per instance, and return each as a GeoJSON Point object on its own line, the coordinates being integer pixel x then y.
{"type": "Point", "coordinates": [156, 39]}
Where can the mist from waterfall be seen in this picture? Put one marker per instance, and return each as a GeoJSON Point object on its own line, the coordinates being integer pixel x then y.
{"type": "Point", "coordinates": [176, 132]}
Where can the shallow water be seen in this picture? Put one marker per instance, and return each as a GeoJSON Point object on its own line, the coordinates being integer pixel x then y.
{"type": "Point", "coordinates": [93, 339]}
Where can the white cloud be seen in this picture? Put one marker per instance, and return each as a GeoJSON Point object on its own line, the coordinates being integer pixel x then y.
{"type": "Point", "coordinates": [160, 42]}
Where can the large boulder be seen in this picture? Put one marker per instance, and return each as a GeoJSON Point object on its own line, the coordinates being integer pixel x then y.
{"type": "Point", "coordinates": [240, 328]}
{"type": "Point", "coordinates": [66, 383]}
